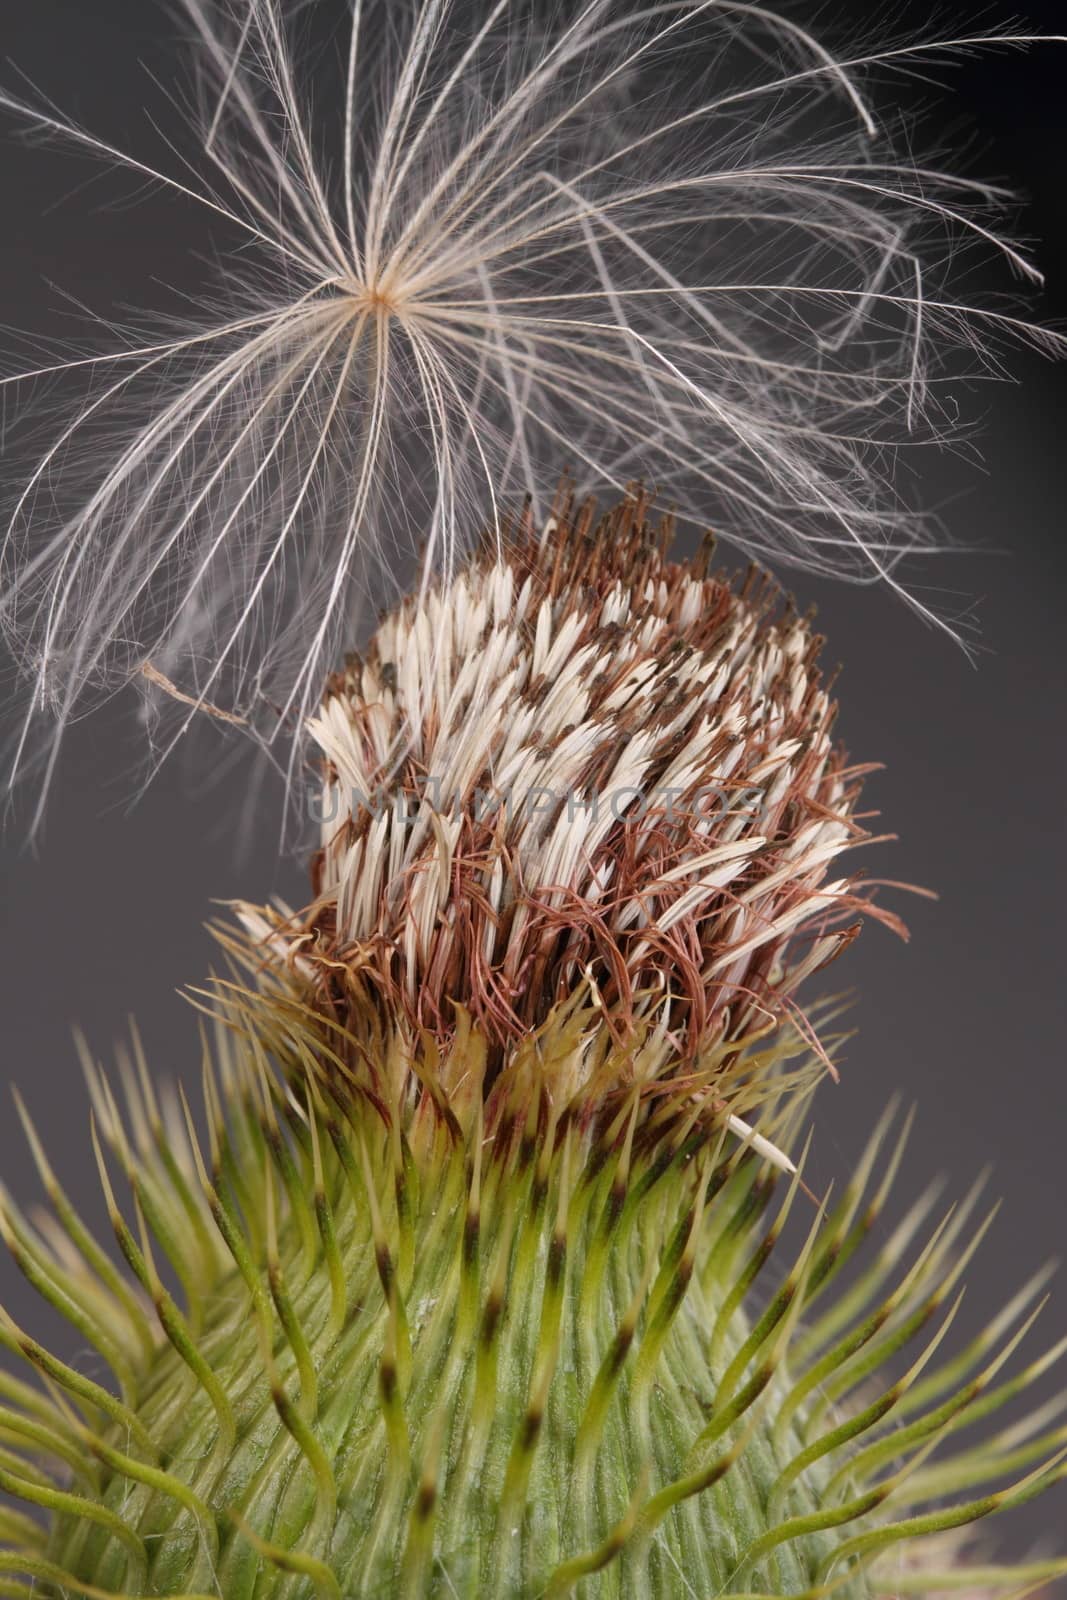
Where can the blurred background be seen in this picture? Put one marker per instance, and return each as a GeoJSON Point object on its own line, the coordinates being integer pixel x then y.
{"type": "Point", "coordinates": [105, 916]}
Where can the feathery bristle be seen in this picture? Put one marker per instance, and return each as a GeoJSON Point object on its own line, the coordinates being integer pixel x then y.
{"type": "Point", "coordinates": [614, 241]}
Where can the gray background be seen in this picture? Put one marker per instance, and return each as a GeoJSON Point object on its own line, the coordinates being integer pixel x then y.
{"type": "Point", "coordinates": [967, 1020]}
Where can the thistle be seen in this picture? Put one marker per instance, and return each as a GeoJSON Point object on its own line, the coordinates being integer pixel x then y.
{"type": "Point", "coordinates": [475, 1281]}
{"type": "Point", "coordinates": [485, 1263]}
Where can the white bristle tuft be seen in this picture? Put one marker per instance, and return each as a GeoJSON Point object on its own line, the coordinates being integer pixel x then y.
{"type": "Point", "coordinates": [609, 243]}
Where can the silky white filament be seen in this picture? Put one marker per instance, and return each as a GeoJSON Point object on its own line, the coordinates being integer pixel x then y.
{"type": "Point", "coordinates": [763, 1147]}
{"type": "Point", "coordinates": [666, 241]}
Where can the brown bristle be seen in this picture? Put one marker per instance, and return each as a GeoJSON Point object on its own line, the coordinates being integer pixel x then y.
{"type": "Point", "coordinates": [579, 764]}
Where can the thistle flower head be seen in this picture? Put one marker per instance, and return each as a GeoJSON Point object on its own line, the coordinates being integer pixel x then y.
{"type": "Point", "coordinates": [670, 240]}
{"type": "Point", "coordinates": [466, 1291]}
{"type": "Point", "coordinates": [459, 1287]}
{"type": "Point", "coordinates": [581, 764]}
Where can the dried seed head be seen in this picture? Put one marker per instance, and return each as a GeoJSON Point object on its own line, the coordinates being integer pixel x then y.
{"type": "Point", "coordinates": [581, 764]}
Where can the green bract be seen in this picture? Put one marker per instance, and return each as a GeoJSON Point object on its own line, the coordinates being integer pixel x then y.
{"type": "Point", "coordinates": [481, 1342]}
